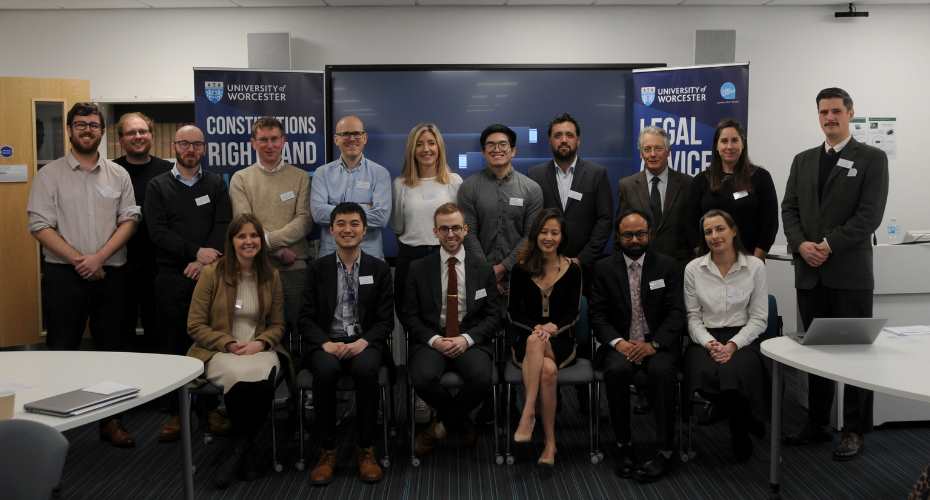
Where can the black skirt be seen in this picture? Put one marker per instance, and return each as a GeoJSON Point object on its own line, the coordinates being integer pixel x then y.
{"type": "Point", "coordinates": [744, 372]}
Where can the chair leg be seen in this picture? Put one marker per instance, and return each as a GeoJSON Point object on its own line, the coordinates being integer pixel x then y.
{"type": "Point", "coordinates": [301, 464]}
{"type": "Point", "coordinates": [274, 437]}
{"type": "Point", "coordinates": [498, 458]}
{"type": "Point", "coordinates": [506, 426]}
{"type": "Point", "coordinates": [595, 413]}
{"type": "Point", "coordinates": [592, 453]}
{"type": "Point", "coordinates": [411, 400]}
{"type": "Point", "coordinates": [386, 460]}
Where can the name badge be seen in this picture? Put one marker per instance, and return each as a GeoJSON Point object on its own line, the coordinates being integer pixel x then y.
{"type": "Point", "coordinates": [657, 284]}
{"type": "Point", "coordinates": [362, 185]}
{"type": "Point", "coordinates": [203, 200]}
{"type": "Point", "coordinates": [287, 196]}
{"type": "Point", "coordinates": [844, 163]}
{"type": "Point", "coordinates": [516, 202]}
{"type": "Point", "coordinates": [740, 194]}
{"type": "Point", "coordinates": [238, 303]}
{"type": "Point", "coordinates": [852, 172]}
{"type": "Point", "coordinates": [575, 195]}
{"type": "Point", "coordinates": [366, 280]}
{"type": "Point", "coordinates": [480, 293]}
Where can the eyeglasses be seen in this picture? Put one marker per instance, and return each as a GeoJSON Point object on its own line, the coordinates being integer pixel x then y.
{"type": "Point", "coordinates": [501, 146]}
{"type": "Point", "coordinates": [139, 132]}
{"type": "Point", "coordinates": [454, 229]}
{"type": "Point", "coordinates": [86, 125]}
{"type": "Point", "coordinates": [649, 149]}
{"type": "Point", "coordinates": [629, 235]}
{"type": "Point", "coordinates": [354, 134]}
{"type": "Point", "coordinates": [185, 145]}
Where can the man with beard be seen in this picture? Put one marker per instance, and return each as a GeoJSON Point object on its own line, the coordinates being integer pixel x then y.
{"type": "Point", "coordinates": [638, 314]}
{"type": "Point", "coordinates": [187, 211]}
{"type": "Point", "coordinates": [82, 210]}
{"type": "Point", "coordinates": [134, 131]}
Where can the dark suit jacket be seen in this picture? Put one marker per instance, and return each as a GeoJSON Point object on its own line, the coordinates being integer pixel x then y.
{"type": "Point", "coordinates": [610, 310]}
{"type": "Point", "coordinates": [375, 302]}
{"type": "Point", "coordinates": [669, 237]}
{"type": "Point", "coordinates": [847, 216]}
{"type": "Point", "coordinates": [424, 297]}
{"type": "Point", "coordinates": [587, 221]}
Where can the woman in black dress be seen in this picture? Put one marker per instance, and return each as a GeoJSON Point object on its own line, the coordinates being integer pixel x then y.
{"type": "Point", "coordinates": [733, 184]}
{"type": "Point", "coordinates": [545, 295]}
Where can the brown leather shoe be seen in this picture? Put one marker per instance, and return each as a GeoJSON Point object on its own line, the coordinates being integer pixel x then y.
{"type": "Point", "coordinates": [368, 469]}
{"type": "Point", "coordinates": [171, 430]}
{"type": "Point", "coordinates": [322, 474]}
{"type": "Point", "coordinates": [217, 423]}
{"type": "Point", "coordinates": [113, 431]}
{"type": "Point", "coordinates": [426, 441]}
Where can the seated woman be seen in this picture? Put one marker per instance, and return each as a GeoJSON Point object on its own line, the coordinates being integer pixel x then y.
{"type": "Point", "coordinates": [236, 320]}
{"type": "Point", "coordinates": [727, 304]}
{"type": "Point", "coordinates": [545, 295]}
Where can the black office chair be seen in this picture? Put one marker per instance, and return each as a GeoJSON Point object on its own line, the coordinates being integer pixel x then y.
{"type": "Point", "coordinates": [32, 459]}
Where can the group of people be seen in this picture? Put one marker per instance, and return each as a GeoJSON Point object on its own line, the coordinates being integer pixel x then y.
{"type": "Point", "coordinates": [226, 275]}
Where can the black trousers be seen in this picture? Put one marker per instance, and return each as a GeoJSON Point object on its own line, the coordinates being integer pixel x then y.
{"type": "Point", "coordinates": [427, 365]}
{"type": "Point", "coordinates": [139, 304]}
{"type": "Point", "coordinates": [405, 255]}
{"type": "Point", "coordinates": [247, 405]}
{"type": "Point", "coordinates": [661, 371]}
{"type": "Point", "coordinates": [72, 301]}
{"type": "Point", "coordinates": [174, 291]}
{"type": "Point", "coordinates": [825, 302]}
{"type": "Point", "coordinates": [327, 370]}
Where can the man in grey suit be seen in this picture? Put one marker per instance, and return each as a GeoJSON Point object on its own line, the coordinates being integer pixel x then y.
{"type": "Point", "coordinates": [660, 191]}
{"type": "Point", "coordinates": [834, 201]}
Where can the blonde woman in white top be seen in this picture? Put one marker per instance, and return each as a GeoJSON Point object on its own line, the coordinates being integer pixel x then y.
{"type": "Point", "coordinates": [425, 183]}
{"type": "Point", "coordinates": [727, 303]}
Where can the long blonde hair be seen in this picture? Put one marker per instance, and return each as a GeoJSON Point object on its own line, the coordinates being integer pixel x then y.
{"type": "Point", "coordinates": [410, 173]}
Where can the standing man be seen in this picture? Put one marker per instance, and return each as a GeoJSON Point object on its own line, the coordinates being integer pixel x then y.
{"type": "Point", "coordinates": [660, 191]}
{"type": "Point", "coordinates": [346, 317]}
{"type": "Point", "coordinates": [82, 210]}
{"type": "Point", "coordinates": [187, 211]}
{"type": "Point", "coordinates": [834, 201]}
{"type": "Point", "coordinates": [352, 178]}
{"type": "Point", "coordinates": [134, 131]}
{"type": "Point", "coordinates": [499, 204]}
{"type": "Point", "coordinates": [453, 313]}
{"type": "Point", "coordinates": [278, 194]}
{"type": "Point", "coordinates": [638, 314]}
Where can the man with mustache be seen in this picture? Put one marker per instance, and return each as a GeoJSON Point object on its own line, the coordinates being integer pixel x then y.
{"type": "Point", "coordinates": [82, 210]}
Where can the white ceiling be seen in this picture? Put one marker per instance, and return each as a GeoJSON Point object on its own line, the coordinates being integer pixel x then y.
{"type": "Point", "coordinates": [175, 4]}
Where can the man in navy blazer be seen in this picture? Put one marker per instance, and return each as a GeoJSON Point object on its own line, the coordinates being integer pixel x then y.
{"type": "Point", "coordinates": [834, 201]}
{"type": "Point", "coordinates": [346, 317]}
{"type": "Point", "coordinates": [443, 340]}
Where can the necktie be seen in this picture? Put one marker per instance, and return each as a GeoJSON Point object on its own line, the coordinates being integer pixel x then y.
{"type": "Point", "coordinates": [831, 152]}
{"type": "Point", "coordinates": [452, 300]}
{"type": "Point", "coordinates": [655, 202]}
{"type": "Point", "coordinates": [636, 308]}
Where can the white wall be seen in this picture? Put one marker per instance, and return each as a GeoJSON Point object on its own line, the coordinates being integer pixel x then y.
{"type": "Point", "coordinates": [147, 55]}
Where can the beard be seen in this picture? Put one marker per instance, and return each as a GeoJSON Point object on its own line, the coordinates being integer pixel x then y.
{"type": "Point", "coordinates": [144, 154]}
{"type": "Point", "coordinates": [634, 252]}
{"type": "Point", "coordinates": [187, 163]}
{"type": "Point", "coordinates": [559, 157]}
{"type": "Point", "coordinates": [77, 146]}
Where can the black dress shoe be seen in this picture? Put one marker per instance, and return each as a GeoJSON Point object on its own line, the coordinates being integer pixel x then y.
{"type": "Point", "coordinates": [809, 434]}
{"type": "Point", "coordinates": [226, 472]}
{"type": "Point", "coordinates": [742, 446]}
{"type": "Point", "coordinates": [653, 469]}
{"type": "Point", "coordinates": [850, 447]}
{"type": "Point", "coordinates": [625, 465]}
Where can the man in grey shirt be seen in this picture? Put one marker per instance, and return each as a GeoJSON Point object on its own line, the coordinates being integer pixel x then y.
{"type": "Point", "coordinates": [499, 204]}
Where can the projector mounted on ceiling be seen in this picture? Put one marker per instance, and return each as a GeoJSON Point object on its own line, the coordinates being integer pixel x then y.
{"type": "Point", "coordinates": [852, 12]}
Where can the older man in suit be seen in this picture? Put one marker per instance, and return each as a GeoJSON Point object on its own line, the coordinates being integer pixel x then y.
{"type": "Point", "coordinates": [452, 312]}
{"type": "Point", "coordinates": [638, 314]}
{"type": "Point", "coordinates": [347, 315]}
{"type": "Point", "coordinates": [660, 191]}
{"type": "Point", "coordinates": [834, 201]}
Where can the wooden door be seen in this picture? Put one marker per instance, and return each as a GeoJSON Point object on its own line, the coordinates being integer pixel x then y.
{"type": "Point", "coordinates": [26, 130]}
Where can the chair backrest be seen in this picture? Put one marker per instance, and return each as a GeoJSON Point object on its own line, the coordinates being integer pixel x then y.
{"type": "Point", "coordinates": [31, 460]}
{"type": "Point", "coordinates": [774, 326]}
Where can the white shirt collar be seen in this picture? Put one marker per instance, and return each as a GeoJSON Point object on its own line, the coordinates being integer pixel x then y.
{"type": "Point", "coordinates": [444, 255]}
{"type": "Point", "coordinates": [741, 262]}
{"type": "Point", "coordinates": [663, 177]}
{"type": "Point", "coordinates": [837, 147]}
{"type": "Point", "coordinates": [641, 260]}
{"type": "Point", "coordinates": [571, 168]}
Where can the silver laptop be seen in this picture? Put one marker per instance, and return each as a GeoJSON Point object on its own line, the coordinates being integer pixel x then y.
{"type": "Point", "coordinates": [78, 402]}
{"type": "Point", "coordinates": [841, 331]}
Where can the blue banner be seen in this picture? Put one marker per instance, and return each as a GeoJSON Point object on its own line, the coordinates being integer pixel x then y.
{"type": "Point", "coordinates": [228, 101]}
{"type": "Point", "coordinates": [688, 103]}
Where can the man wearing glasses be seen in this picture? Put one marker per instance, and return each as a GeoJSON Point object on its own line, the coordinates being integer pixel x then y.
{"type": "Point", "coordinates": [187, 211]}
{"type": "Point", "coordinates": [499, 204]}
{"type": "Point", "coordinates": [82, 210]}
{"type": "Point", "coordinates": [660, 191]}
{"type": "Point", "coordinates": [352, 178]}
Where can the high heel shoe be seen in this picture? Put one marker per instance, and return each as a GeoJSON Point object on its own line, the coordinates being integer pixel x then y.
{"type": "Point", "coordinates": [546, 462]}
{"type": "Point", "coordinates": [524, 438]}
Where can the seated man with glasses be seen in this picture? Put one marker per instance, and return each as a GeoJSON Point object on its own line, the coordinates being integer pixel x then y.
{"type": "Point", "coordinates": [352, 178]}
{"type": "Point", "coordinates": [451, 309]}
{"type": "Point", "coordinates": [637, 312]}
{"type": "Point", "coordinates": [660, 191]}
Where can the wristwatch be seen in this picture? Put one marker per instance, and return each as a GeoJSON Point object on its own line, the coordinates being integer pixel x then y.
{"type": "Point", "coordinates": [655, 345]}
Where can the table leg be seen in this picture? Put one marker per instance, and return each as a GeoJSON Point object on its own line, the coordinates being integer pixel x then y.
{"type": "Point", "coordinates": [775, 465]}
{"type": "Point", "coordinates": [187, 460]}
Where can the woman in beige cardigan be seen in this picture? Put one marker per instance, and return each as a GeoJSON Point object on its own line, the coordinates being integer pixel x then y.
{"type": "Point", "coordinates": [236, 320]}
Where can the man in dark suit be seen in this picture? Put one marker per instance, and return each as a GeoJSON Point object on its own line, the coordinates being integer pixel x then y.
{"type": "Point", "coordinates": [660, 191]}
{"type": "Point", "coordinates": [638, 314]}
{"type": "Point", "coordinates": [452, 313]}
{"type": "Point", "coordinates": [834, 201]}
{"type": "Point", "coordinates": [347, 315]}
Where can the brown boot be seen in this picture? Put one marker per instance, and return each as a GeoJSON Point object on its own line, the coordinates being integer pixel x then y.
{"type": "Point", "coordinates": [171, 430]}
{"type": "Point", "coordinates": [426, 440]}
{"type": "Point", "coordinates": [368, 469]}
{"type": "Point", "coordinates": [217, 423]}
{"type": "Point", "coordinates": [112, 430]}
{"type": "Point", "coordinates": [322, 474]}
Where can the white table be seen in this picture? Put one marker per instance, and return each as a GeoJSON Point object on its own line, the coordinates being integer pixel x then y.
{"type": "Point", "coordinates": [39, 374]}
{"type": "Point", "coordinates": [892, 365]}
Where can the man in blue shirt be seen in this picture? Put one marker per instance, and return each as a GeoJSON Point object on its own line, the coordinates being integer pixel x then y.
{"type": "Point", "coordinates": [352, 178]}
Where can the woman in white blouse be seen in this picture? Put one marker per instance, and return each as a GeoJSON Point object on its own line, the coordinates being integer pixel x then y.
{"type": "Point", "coordinates": [424, 184]}
{"type": "Point", "coordinates": [727, 303]}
